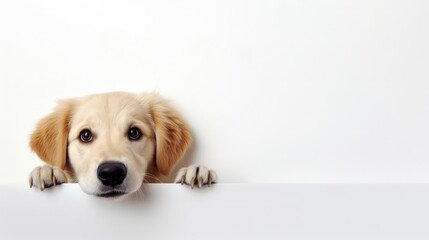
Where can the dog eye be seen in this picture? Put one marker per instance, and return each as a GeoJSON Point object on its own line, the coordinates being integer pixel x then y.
{"type": "Point", "coordinates": [134, 134]}
{"type": "Point", "coordinates": [86, 136]}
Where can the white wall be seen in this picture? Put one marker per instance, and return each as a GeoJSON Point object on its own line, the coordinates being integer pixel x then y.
{"type": "Point", "coordinates": [275, 91]}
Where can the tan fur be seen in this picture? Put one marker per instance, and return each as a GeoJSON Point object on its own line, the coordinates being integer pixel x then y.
{"type": "Point", "coordinates": [172, 136]}
{"type": "Point", "coordinates": [49, 140]}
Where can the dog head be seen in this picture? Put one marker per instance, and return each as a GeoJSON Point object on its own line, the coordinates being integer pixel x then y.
{"type": "Point", "coordinates": [112, 142]}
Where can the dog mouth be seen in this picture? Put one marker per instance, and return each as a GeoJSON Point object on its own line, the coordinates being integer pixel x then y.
{"type": "Point", "coordinates": [111, 194]}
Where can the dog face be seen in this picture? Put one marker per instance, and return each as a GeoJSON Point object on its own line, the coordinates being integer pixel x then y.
{"type": "Point", "coordinates": [112, 142]}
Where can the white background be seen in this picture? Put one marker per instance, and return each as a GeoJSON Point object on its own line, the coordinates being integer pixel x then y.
{"type": "Point", "coordinates": [275, 91]}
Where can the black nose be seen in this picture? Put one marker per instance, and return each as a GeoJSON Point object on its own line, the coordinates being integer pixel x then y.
{"type": "Point", "coordinates": [111, 173]}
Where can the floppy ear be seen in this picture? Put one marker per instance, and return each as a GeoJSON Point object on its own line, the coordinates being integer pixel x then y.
{"type": "Point", "coordinates": [49, 140]}
{"type": "Point", "coordinates": [171, 133]}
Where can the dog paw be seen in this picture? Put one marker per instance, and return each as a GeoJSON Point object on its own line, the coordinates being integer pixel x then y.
{"type": "Point", "coordinates": [196, 175]}
{"type": "Point", "coordinates": [46, 176]}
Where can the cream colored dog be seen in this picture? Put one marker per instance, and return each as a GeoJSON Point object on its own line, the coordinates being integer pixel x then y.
{"type": "Point", "coordinates": [111, 143]}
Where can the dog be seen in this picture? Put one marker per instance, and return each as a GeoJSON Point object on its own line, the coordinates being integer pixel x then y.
{"type": "Point", "coordinates": [112, 143]}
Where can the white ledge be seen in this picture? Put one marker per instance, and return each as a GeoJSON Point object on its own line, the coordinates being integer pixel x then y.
{"type": "Point", "coordinates": [224, 211]}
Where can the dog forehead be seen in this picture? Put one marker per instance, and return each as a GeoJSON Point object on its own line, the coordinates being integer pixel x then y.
{"type": "Point", "coordinates": [118, 106]}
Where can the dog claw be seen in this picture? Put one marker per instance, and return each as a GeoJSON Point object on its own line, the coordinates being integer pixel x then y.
{"type": "Point", "coordinates": [192, 183]}
{"type": "Point", "coordinates": [54, 180]}
{"type": "Point", "coordinates": [200, 182]}
{"type": "Point", "coordinates": [183, 180]}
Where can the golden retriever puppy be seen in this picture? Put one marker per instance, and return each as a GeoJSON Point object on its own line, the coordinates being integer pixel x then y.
{"type": "Point", "coordinates": [111, 143]}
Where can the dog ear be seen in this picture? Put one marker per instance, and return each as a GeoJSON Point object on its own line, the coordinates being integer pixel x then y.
{"type": "Point", "coordinates": [49, 140]}
{"type": "Point", "coordinates": [171, 134]}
